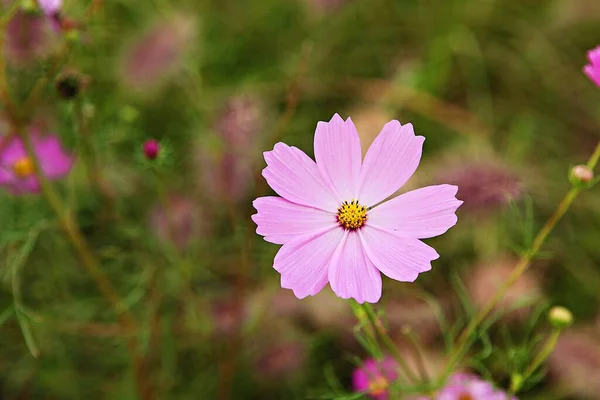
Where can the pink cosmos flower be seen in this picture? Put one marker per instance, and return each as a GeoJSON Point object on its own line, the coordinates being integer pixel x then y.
{"type": "Point", "coordinates": [375, 377]}
{"type": "Point", "coordinates": [470, 387]}
{"type": "Point", "coordinates": [329, 218]}
{"type": "Point", "coordinates": [17, 170]}
{"type": "Point", "coordinates": [592, 70]}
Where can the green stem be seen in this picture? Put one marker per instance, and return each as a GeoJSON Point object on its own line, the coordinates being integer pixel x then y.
{"type": "Point", "coordinates": [376, 324]}
{"type": "Point", "coordinates": [522, 266]}
{"type": "Point", "coordinates": [94, 269]}
{"type": "Point", "coordinates": [538, 360]}
{"type": "Point", "coordinates": [420, 359]}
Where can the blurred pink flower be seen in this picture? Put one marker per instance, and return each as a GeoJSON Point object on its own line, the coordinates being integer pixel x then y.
{"type": "Point", "coordinates": [281, 361]}
{"type": "Point", "coordinates": [229, 314]}
{"type": "Point", "coordinates": [240, 123]}
{"type": "Point", "coordinates": [227, 173]}
{"type": "Point", "coordinates": [375, 377]}
{"type": "Point", "coordinates": [17, 170]}
{"type": "Point", "coordinates": [575, 363]}
{"type": "Point", "coordinates": [592, 70]}
{"type": "Point", "coordinates": [328, 218]}
{"type": "Point", "coordinates": [28, 37]}
{"type": "Point", "coordinates": [179, 223]}
{"type": "Point", "coordinates": [485, 279]}
{"type": "Point", "coordinates": [50, 7]}
{"type": "Point", "coordinates": [464, 386]}
{"type": "Point", "coordinates": [157, 54]}
{"type": "Point", "coordinates": [483, 186]}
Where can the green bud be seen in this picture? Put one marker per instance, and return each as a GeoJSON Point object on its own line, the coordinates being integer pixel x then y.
{"type": "Point", "coordinates": [29, 6]}
{"type": "Point", "coordinates": [560, 317]}
{"type": "Point", "coordinates": [516, 381]}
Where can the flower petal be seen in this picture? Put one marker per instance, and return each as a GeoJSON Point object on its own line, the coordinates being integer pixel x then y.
{"type": "Point", "coordinates": [295, 177]}
{"type": "Point", "coordinates": [303, 261]}
{"type": "Point", "coordinates": [421, 213]}
{"type": "Point", "coordinates": [390, 161]}
{"type": "Point", "coordinates": [12, 151]}
{"type": "Point", "coordinates": [54, 161]}
{"type": "Point", "coordinates": [352, 274]}
{"type": "Point", "coordinates": [280, 220]}
{"type": "Point", "coordinates": [338, 155]}
{"type": "Point", "coordinates": [593, 72]}
{"type": "Point", "coordinates": [397, 257]}
{"type": "Point", "coordinates": [20, 187]}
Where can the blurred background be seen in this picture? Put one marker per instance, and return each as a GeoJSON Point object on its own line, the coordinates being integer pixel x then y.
{"type": "Point", "coordinates": [495, 86]}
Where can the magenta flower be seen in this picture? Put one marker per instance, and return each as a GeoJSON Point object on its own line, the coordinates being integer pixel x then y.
{"type": "Point", "coordinates": [592, 70]}
{"type": "Point", "coordinates": [17, 170]}
{"type": "Point", "coordinates": [471, 387]}
{"type": "Point", "coordinates": [375, 377]}
{"type": "Point", "coordinates": [329, 218]}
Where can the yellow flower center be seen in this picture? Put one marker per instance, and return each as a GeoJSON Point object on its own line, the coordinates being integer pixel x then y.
{"type": "Point", "coordinates": [352, 215]}
{"type": "Point", "coordinates": [378, 386]}
{"type": "Point", "coordinates": [24, 167]}
{"type": "Point", "coordinates": [465, 396]}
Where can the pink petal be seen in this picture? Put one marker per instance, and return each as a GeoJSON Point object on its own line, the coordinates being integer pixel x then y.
{"type": "Point", "coordinates": [593, 72]}
{"type": "Point", "coordinates": [23, 186]}
{"type": "Point", "coordinates": [280, 221]}
{"type": "Point", "coordinates": [12, 152]}
{"type": "Point", "coordinates": [54, 161]}
{"type": "Point", "coordinates": [390, 161]}
{"type": "Point", "coordinates": [421, 213]}
{"type": "Point", "coordinates": [303, 261]}
{"type": "Point", "coordinates": [338, 155]}
{"type": "Point", "coordinates": [352, 274]}
{"type": "Point", "coordinates": [399, 258]}
{"type": "Point", "coordinates": [295, 177]}
{"type": "Point", "coordinates": [594, 56]}
{"type": "Point", "coordinates": [50, 7]}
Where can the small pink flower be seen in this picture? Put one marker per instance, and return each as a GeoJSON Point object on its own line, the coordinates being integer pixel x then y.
{"type": "Point", "coordinates": [158, 53]}
{"type": "Point", "coordinates": [470, 387]}
{"type": "Point", "coordinates": [592, 70]}
{"type": "Point", "coordinates": [17, 170]}
{"type": "Point", "coordinates": [329, 218]}
{"type": "Point", "coordinates": [375, 377]}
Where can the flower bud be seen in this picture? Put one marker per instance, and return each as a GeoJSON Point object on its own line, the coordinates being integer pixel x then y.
{"type": "Point", "coordinates": [69, 85]}
{"type": "Point", "coordinates": [581, 174]}
{"type": "Point", "coordinates": [560, 317]}
{"type": "Point", "coordinates": [151, 149]}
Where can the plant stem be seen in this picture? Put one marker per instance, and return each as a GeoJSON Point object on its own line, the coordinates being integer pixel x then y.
{"type": "Point", "coordinates": [539, 359]}
{"type": "Point", "coordinates": [523, 264]}
{"type": "Point", "coordinates": [94, 269]}
{"type": "Point", "coordinates": [376, 324]}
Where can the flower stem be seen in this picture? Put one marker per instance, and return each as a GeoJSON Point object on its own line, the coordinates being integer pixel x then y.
{"type": "Point", "coordinates": [94, 269]}
{"type": "Point", "coordinates": [378, 327]}
{"type": "Point", "coordinates": [538, 360]}
{"type": "Point", "coordinates": [523, 264]}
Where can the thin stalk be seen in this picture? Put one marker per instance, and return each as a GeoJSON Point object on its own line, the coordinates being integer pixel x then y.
{"type": "Point", "coordinates": [94, 269]}
{"type": "Point", "coordinates": [522, 266]}
{"type": "Point", "coordinates": [376, 323]}
{"type": "Point", "coordinates": [420, 359]}
{"type": "Point", "coordinates": [539, 359]}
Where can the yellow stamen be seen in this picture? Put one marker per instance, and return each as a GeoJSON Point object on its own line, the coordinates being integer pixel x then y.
{"type": "Point", "coordinates": [24, 167]}
{"type": "Point", "coordinates": [378, 386]}
{"type": "Point", "coordinates": [352, 215]}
